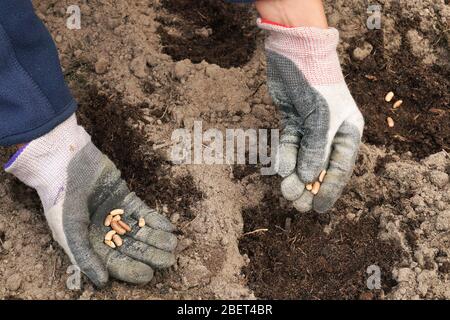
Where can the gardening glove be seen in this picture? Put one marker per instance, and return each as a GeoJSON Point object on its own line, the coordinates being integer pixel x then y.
{"type": "Point", "coordinates": [78, 187]}
{"type": "Point", "coordinates": [322, 126]}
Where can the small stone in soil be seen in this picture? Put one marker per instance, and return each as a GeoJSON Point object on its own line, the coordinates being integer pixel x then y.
{"type": "Point", "coordinates": [175, 218]}
{"type": "Point", "coordinates": [14, 282]}
{"type": "Point", "coordinates": [181, 69]}
{"type": "Point", "coordinates": [101, 66]}
{"type": "Point", "coordinates": [138, 67]}
{"type": "Point", "coordinates": [184, 244]}
{"type": "Point", "coordinates": [363, 52]}
{"type": "Point", "coordinates": [439, 179]}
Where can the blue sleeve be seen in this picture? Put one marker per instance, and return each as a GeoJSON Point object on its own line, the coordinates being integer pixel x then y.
{"type": "Point", "coordinates": [34, 97]}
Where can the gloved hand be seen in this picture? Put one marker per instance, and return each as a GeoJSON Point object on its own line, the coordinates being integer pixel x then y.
{"type": "Point", "coordinates": [78, 187]}
{"type": "Point", "coordinates": [322, 126]}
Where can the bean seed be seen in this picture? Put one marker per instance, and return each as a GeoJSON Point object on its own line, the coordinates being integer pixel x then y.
{"type": "Point", "coordinates": [117, 218]}
{"type": "Point", "coordinates": [116, 212]}
{"type": "Point", "coordinates": [322, 175]}
{"type": "Point", "coordinates": [116, 227]}
{"type": "Point", "coordinates": [110, 244]}
{"type": "Point", "coordinates": [309, 187]}
{"type": "Point", "coordinates": [141, 222]}
{"type": "Point", "coordinates": [108, 220]}
{"type": "Point", "coordinates": [316, 188]}
{"type": "Point", "coordinates": [117, 240]}
{"type": "Point", "coordinates": [389, 96]}
{"type": "Point", "coordinates": [390, 122]}
{"type": "Point", "coordinates": [110, 235]}
{"type": "Point", "coordinates": [124, 226]}
{"type": "Point", "coordinates": [398, 104]}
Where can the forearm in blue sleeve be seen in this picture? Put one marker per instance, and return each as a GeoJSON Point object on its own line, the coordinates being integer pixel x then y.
{"type": "Point", "coordinates": [34, 97]}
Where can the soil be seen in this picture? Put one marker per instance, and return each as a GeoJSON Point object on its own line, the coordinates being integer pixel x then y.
{"type": "Point", "coordinates": [421, 122]}
{"type": "Point", "coordinates": [306, 263]}
{"type": "Point", "coordinates": [145, 68]}
{"type": "Point", "coordinates": [208, 30]}
{"type": "Point", "coordinates": [98, 114]}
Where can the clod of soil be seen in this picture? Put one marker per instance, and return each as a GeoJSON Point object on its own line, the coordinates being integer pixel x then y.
{"type": "Point", "coordinates": [306, 263]}
{"type": "Point", "coordinates": [211, 30]}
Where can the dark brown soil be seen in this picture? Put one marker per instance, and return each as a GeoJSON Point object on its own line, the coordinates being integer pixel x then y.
{"type": "Point", "coordinates": [28, 197]}
{"type": "Point", "coordinates": [421, 123]}
{"type": "Point", "coordinates": [241, 171]}
{"type": "Point", "coordinates": [145, 171]}
{"type": "Point", "coordinates": [233, 34]}
{"type": "Point", "coordinates": [305, 263]}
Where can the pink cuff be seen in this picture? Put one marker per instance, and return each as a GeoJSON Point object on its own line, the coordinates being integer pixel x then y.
{"type": "Point", "coordinates": [306, 40]}
{"type": "Point", "coordinates": [312, 49]}
{"type": "Point", "coordinates": [265, 21]}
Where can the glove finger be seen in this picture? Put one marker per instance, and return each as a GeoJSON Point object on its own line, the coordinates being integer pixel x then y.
{"type": "Point", "coordinates": [155, 220]}
{"type": "Point", "coordinates": [342, 160]}
{"type": "Point", "coordinates": [310, 161]}
{"type": "Point", "coordinates": [287, 159]}
{"type": "Point", "coordinates": [152, 256]}
{"type": "Point", "coordinates": [120, 266]}
{"type": "Point", "coordinates": [137, 209]}
{"type": "Point", "coordinates": [292, 188]}
{"type": "Point", "coordinates": [288, 152]}
{"type": "Point", "coordinates": [314, 146]}
{"type": "Point", "coordinates": [304, 203]}
{"type": "Point", "coordinates": [154, 237]}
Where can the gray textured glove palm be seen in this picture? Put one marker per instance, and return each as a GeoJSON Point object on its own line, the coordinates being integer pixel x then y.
{"type": "Point", "coordinates": [144, 249]}
{"type": "Point", "coordinates": [322, 126]}
{"type": "Point", "coordinates": [78, 187]}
